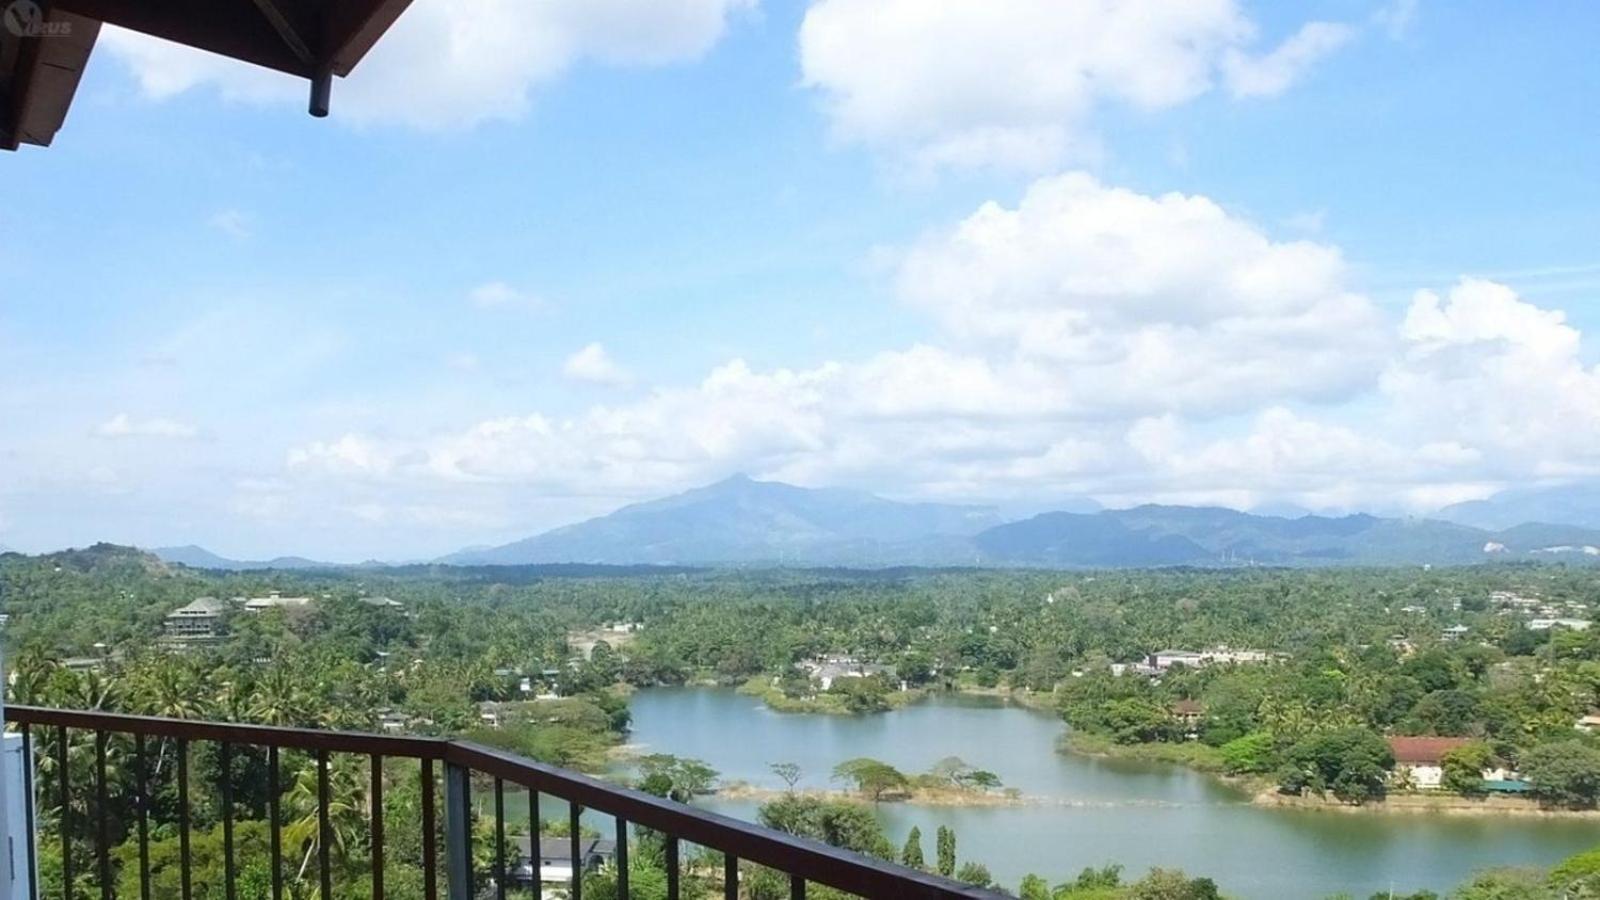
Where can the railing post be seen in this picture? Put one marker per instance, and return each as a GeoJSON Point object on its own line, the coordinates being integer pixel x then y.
{"type": "Point", "coordinates": [458, 832]}
{"type": "Point", "coordinates": [10, 889]}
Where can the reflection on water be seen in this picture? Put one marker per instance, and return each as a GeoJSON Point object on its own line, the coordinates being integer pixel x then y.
{"type": "Point", "coordinates": [1092, 812]}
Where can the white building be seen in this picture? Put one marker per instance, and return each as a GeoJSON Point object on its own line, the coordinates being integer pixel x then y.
{"type": "Point", "coordinates": [1547, 624]}
{"type": "Point", "coordinates": [275, 600]}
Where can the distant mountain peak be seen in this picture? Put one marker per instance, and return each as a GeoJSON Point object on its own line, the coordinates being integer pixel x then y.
{"type": "Point", "coordinates": [197, 557]}
{"type": "Point", "coordinates": [1574, 503]}
{"type": "Point", "coordinates": [740, 520]}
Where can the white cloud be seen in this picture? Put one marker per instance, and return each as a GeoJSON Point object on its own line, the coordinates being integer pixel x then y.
{"type": "Point", "coordinates": [1309, 221]}
{"type": "Point", "coordinates": [1277, 71]}
{"type": "Point", "coordinates": [348, 455]}
{"type": "Point", "coordinates": [1016, 83]}
{"type": "Point", "coordinates": [1148, 303]}
{"type": "Point", "coordinates": [232, 222]}
{"type": "Point", "coordinates": [123, 425]}
{"type": "Point", "coordinates": [455, 63]}
{"type": "Point", "coordinates": [1500, 374]}
{"type": "Point", "coordinates": [464, 362]}
{"type": "Point", "coordinates": [499, 295]}
{"type": "Point", "coordinates": [594, 365]}
{"type": "Point", "coordinates": [1396, 17]}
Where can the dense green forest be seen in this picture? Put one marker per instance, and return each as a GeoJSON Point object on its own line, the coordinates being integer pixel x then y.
{"type": "Point", "coordinates": [1354, 656]}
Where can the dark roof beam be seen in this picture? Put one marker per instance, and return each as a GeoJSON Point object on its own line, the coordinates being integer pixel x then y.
{"type": "Point", "coordinates": [286, 30]}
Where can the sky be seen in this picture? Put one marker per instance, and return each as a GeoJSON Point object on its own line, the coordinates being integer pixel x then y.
{"type": "Point", "coordinates": [547, 258]}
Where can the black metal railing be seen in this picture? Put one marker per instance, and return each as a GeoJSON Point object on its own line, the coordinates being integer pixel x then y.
{"type": "Point", "coordinates": [92, 821]}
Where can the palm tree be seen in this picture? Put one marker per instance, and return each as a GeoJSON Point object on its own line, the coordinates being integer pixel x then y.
{"type": "Point", "coordinates": [279, 699]}
{"type": "Point", "coordinates": [170, 689]}
{"type": "Point", "coordinates": [347, 811]}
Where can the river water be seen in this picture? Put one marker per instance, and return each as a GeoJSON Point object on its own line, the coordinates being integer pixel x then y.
{"type": "Point", "coordinates": [1096, 811]}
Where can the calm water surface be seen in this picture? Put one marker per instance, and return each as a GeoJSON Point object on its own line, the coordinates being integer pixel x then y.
{"type": "Point", "coordinates": [1138, 815]}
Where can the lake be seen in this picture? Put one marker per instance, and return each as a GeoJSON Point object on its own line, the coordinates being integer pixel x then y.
{"type": "Point", "coordinates": [1100, 811]}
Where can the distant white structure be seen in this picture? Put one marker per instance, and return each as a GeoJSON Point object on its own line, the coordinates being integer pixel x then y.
{"type": "Point", "coordinates": [275, 600]}
{"type": "Point", "coordinates": [836, 666]}
{"type": "Point", "coordinates": [1510, 598]}
{"type": "Point", "coordinates": [1163, 660]}
{"type": "Point", "coordinates": [1547, 624]}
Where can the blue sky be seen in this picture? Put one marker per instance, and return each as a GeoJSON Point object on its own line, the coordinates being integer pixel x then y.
{"type": "Point", "coordinates": [1011, 252]}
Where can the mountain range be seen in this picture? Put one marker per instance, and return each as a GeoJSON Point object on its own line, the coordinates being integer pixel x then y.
{"type": "Point", "coordinates": [200, 558]}
{"type": "Point", "coordinates": [741, 521]}
{"type": "Point", "coordinates": [744, 522]}
{"type": "Point", "coordinates": [1567, 504]}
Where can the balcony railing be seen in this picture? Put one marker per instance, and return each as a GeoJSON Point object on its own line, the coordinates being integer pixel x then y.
{"type": "Point", "coordinates": [128, 753]}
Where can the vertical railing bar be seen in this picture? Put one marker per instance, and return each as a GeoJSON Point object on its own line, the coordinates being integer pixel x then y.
{"type": "Point", "coordinates": [672, 867]}
{"type": "Point", "coordinates": [225, 757]}
{"type": "Point", "coordinates": [730, 876]}
{"type": "Point", "coordinates": [141, 799]}
{"type": "Point", "coordinates": [102, 826]}
{"type": "Point", "coordinates": [534, 852]}
{"type": "Point", "coordinates": [377, 827]}
{"type": "Point", "coordinates": [64, 795]}
{"type": "Point", "coordinates": [185, 875]}
{"type": "Point", "coordinates": [458, 832]}
{"type": "Point", "coordinates": [622, 858]}
{"type": "Point", "coordinates": [324, 826]}
{"type": "Point", "coordinates": [29, 810]}
{"type": "Point", "coordinates": [430, 849]}
{"type": "Point", "coordinates": [499, 838]}
{"type": "Point", "coordinates": [797, 888]}
{"type": "Point", "coordinates": [575, 830]}
{"type": "Point", "coordinates": [275, 822]}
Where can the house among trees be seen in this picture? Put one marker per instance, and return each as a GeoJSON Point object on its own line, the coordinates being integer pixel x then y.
{"type": "Point", "coordinates": [828, 669]}
{"type": "Point", "coordinates": [1547, 624]}
{"type": "Point", "coordinates": [1188, 714]}
{"type": "Point", "coordinates": [197, 621]}
{"type": "Point", "coordinates": [1419, 761]}
{"type": "Point", "coordinates": [555, 859]}
{"type": "Point", "coordinates": [1162, 660]}
{"type": "Point", "coordinates": [275, 600]}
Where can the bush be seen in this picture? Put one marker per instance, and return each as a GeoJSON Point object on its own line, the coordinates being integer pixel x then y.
{"type": "Point", "coordinates": [1350, 763]}
{"type": "Point", "coordinates": [1563, 773]}
{"type": "Point", "coordinates": [1253, 753]}
{"type": "Point", "coordinates": [1463, 769]}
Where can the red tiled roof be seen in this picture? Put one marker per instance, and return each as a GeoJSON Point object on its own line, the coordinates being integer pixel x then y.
{"type": "Point", "coordinates": [1423, 750]}
{"type": "Point", "coordinates": [1187, 708]}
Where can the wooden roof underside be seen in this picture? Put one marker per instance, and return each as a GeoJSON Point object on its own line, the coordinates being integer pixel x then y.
{"type": "Point", "coordinates": [312, 39]}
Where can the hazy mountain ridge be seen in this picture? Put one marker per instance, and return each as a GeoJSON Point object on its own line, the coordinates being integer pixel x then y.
{"type": "Point", "coordinates": [1566, 504]}
{"type": "Point", "coordinates": [1173, 535]}
{"type": "Point", "coordinates": [196, 557]}
{"type": "Point", "coordinates": [744, 522]}
{"type": "Point", "coordinates": [740, 520]}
